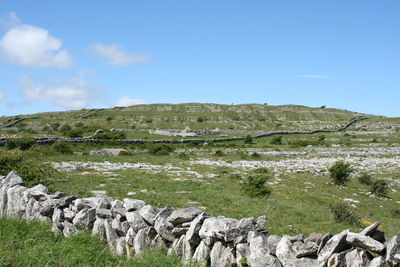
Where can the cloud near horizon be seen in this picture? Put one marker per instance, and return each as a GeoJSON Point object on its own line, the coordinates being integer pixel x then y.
{"type": "Point", "coordinates": [74, 93]}
{"type": "Point", "coordinates": [314, 76]}
{"type": "Point", "coordinates": [116, 56]}
{"type": "Point", "coordinates": [128, 101]}
{"type": "Point", "coordinates": [2, 96]}
{"type": "Point", "coordinates": [28, 45]}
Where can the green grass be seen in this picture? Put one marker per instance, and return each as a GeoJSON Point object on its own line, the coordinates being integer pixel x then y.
{"type": "Point", "coordinates": [24, 243]}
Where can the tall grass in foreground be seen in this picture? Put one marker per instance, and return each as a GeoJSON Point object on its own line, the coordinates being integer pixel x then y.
{"type": "Point", "coordinates": [24, 243]}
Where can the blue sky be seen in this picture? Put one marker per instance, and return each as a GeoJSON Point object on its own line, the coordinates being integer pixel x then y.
{"type": "Point", "coordinates": [60, 55]}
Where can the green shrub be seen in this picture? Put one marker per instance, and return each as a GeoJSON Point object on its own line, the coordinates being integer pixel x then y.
{"type": "Point", "coordinates": [340, 172]}
{"type": "Point", "coordinates": [30, 165]}
{"type": "Point", "coordinates": [321, 138]}
{"type": "Point", "coordinates": [65, 128]}
{"type": "Point", "coordinates": [276, 140]}
{"type": "Point", "coordinates": [395, 213]}
{"type": "Point", "coordinates": [183, 156]}
{"type": "Point", "coordinates": [111, 135]}
{"type": "Point", "coordinates": [74, 133]}
{"type": "Point", "coordinates": [55, 125]}
{"type": "Point", "coordinates": [379, 188]}
{"type": "Point", "coordinates": [365, 178]}
{"type": "Point", "coordinates": [22, 143]}
{"type": "Point", "coordinates": [160, 149]}
{"type": "Point", "coordinates": [219, 153]}
{"type": "Point", "coordinates": [342, 214]}
{"type": "Point", "coordinates": [62, 147]}
{"type": "Point", "coordinates": [248, 139]}
{"type": "Point", "coordinates": [301, 143]}
{"type": "Point", "coordinates": [254, 185]}
{"type": "Point", "coordinates": [255, 155]}
{"type": "Point", "coordinates": [200, 119]}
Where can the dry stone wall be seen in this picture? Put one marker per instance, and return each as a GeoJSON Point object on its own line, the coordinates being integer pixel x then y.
{"type": "Point", "coordinates": [52, 140]}
{"type": "Point", "coordinates": [131, 227]}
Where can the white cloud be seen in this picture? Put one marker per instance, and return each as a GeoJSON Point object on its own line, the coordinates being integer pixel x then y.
{"type": "Point", "coordinates": [2, 96]}
{"type": "Point", "coordinates": [314, 76]}
{"type": "Point", "coordinates": [74, 93]}
{"type": "Point", "coordinates": [10, 20]}
{"type": "Point", "coordinates": [116, 56]}
{"type": "Point", "coordinates": [32, 46]}
{"type": "Point", "coordinates": [128, 101]}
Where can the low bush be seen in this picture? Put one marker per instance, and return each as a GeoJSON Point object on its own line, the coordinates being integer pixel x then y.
{"type": "Point", "coordinates": [254, 185]}
{"type": "Point", "coordinates": [62, 148]}
{"type": "Point", "coordinates": [395, 213]}
{"type": "Point", "coordinates": [160, 149]}
{"type": "Point", "coordinates": [183, 156]}
{"type": "Point", "coordinates": [342, 214]}
{"type": "Point", "coordinates": [248, 139]}
{"type": "Point", "coordinates": [365, 178]}
{"type": "Point", "coordinates": [340, 172]}
{"type": "Point", "coordinates": [276, 140]}
{"type": "Point", "coordinates": [111, 135]}
{"type": "Point", "coordinates": [31, 165]}
{"type": "Point", "coordinates": [22, 143]}
{"type": "Point", "coordinates": [219, 153]}
{"type": "Point", "coordinates": [379, 188]}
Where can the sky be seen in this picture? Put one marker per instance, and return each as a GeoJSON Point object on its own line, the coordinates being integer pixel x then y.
{"type": "Point", "coordinates": [62, 55]}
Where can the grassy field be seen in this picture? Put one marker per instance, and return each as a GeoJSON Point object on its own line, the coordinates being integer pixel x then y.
{"type": "Point", "coordinates": [210, 176]}
{"type": "Point", "coordinates": [32, 244]}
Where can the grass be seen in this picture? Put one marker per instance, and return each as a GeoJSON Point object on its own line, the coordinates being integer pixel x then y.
{"type": "Point", "coordinates": [24, 243]}
{"type": "Point", "coordinates": [299, 202]}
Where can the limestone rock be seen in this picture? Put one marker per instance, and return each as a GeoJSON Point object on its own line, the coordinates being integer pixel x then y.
{"type": "Point", "coordinates": [176, 247]}
{"type": "Point", "coordinates": [15, 206]}
{"type": "Point", "coordinates": [305, 249]}
{"type": "Point", "coordinates": [187, 252]}
{"type": "Point", "coordinates": [148, 213]}
{"type": "Point", "coordinates": [378, 262]}
{"type": "Point", "coordinates": [103, 213]}
{"type": "Point", "coordinates": [133, 204]}
{"type": "Point", "coordinates": [98, 228]}
{"type": "Point", "coordinates": [365, 242]}
{"type": "Point", "coordinates": [242, 254]}
{"type": "Point", "coordinates": [216, 228]}
{"type": "Point", "coordinates": [216, 253]}
{"type": "Point", "coordinates": [393, 248]}
{"type": "Point", "coordinates": [356, 258]}
{"type": "Point", "coordinates": [337, 259]}
{"type": "Point", "coordinates": [272, 243]}
{"type": "Point", "coordinates": [12, 179]}
{"type": "Point", "coordinates": [324, 239]}
{"type": "Point", "coordinates": [120, 246]}
{"type": "Point", "coordinates": [227, 258]}
{"type": "Point", "coordinates": [130, 237]}
{"type": "Point", "coordinates": [85, 218]}
{"type": "Point", "coordinates": [158, 243]}
{"type": "Point", "coordinates": [192, 234]}
{"type": "Point", "coordinates": [136, 221]}
{"type": "Point", "coordinates": [69, 214]}
{"type": "Point", "coordinates": [69, 229]}
{"type": "Point", "coordinates": [314, 237]}
{"type": "Point", "coordinates": [370, 229]}
{"type": "Point", "coordinates": [58, 216]}
{"type": "Point", "coordinates": [111, 236]}
{"type": "Point", "coordinates": [143, 239]}
{"type": "Point", "coordinates": [202, 254]}
{"type": "Point", "coordinates": [336, 244]}
{"type": "Point", "coordinates": [164, 228]}
{"type": "Point", "coordinates": [286, 255]}
{"type": "Point", "coordinates": [183, 215]}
